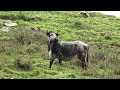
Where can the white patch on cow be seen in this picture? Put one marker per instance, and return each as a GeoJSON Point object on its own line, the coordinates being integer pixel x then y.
{"type": "Point", "coordinates": [50, 54]}
{"type": "Point", "coordinates": [54, 35]}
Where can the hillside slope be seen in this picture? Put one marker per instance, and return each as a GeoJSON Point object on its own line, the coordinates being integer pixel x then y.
{"type": "Point", "coordinates": [23, 52]}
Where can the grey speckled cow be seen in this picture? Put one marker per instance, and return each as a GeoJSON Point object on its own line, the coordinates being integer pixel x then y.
{"type": "Point", "coordinates": [60, 50]}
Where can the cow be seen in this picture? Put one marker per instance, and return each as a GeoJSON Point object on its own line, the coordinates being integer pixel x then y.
{"type": "Point", "coordinates": [61, 49]}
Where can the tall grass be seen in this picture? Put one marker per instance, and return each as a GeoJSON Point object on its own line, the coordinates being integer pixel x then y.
{"type": "Point", "coordinates": [23, 52]}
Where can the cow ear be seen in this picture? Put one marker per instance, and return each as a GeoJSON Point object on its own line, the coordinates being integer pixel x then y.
{"type": "Point", "coordinates": [57, 34]}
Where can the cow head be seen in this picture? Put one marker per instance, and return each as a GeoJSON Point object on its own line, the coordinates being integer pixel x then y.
{"type": "Point", "coordinates": [53, 36]}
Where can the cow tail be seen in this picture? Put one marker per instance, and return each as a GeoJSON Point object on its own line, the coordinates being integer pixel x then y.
{"type": "Point", "coordinates": [88, 62]}
{"type": "Point", "coordinates": [86, 56]}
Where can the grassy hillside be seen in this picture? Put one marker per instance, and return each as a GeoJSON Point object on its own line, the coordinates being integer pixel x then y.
{"type": "Point", "coordinates": [23, 53]}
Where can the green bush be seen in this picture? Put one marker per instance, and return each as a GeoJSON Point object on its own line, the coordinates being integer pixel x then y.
{"type": "Point", "coordinates": [117, 71]}
{"type": "Point", "coordinates": [31, 48]}
{"type": "Point", "coordinates": [108, 37]}
{"type": "Point", "coordinates": [25, 36]}
{"type": "Point", "coordinates": [2, 48]}
{"type": "Point", "coordinates": [3, 62]}
{"type": "Point", "coordinates": [72, 75]}
{"type": "Point", "coordinates": [9, 16]}
{"type": "Point", "coordinates": [20, 16]}
{"type": "Point", "coordinates": [114, 43]}
{"type": "Point", "coordinates": [23, 63]}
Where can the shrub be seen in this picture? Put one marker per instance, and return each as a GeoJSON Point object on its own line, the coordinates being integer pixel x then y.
{"type": "Point", "coordinates": [19, 36]}
{"type": "Point", "coordinates": [23, 63]}
{"type": "Point", "coordinates": [108, 37]}
{"type": "Point", "coordinates": [115, 44]}
{"type": "Point", "coordinates": [117, 71]}
{"type": "Point", "coordinates": [43, 52]}
{"type": "Point", "coordinates": [90, 73]}
{"type": "Point", "coordinates": [35, 73]}
{"type": "Point", "coordinates": [9, 16]}
{"type": "Point", "coordinates": [31, 48]}
{"type": "Point", "coordinates": [20, 15]}
{"type": "Point", "coordinates": [2, 48]}
{"type": "Point", "coordinates": [100, 55]}
{"type": "Point", "coordinates": [24, 36]}
{"type": "Point", "coordinates": [72, 75]}
{"type": "Point", "coordinates": [102, 66]}
{"type": "Point", "coordinates": [3, 63]}
{"type": "Point", "coordinates": [78, 24]}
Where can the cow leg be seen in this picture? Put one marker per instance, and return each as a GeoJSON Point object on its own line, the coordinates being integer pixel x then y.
{"type": "Point", "coordinates": [53, 57]}
{"type": "Point", "coordinates": [83, 62]}
{"type": "Point", "coordinates": [60, 60]}
{"type": "Point", "coordinates": [51, 62]}
{"type": "Point", "coordinates": [59, 56]}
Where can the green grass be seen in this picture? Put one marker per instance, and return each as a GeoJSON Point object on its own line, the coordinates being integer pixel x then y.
{"type": "Point", "coordinates": [101, 32]}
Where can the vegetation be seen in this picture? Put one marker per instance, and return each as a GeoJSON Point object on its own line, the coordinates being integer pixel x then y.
{"type": "Point", "coordinates": [23, 52]}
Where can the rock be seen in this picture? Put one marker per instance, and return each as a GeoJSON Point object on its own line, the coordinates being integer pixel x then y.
{"type": "Point", "coordinates": [5, 29]}
{"type": "Point", "coordinates": [10, 24]}
{"type": "Point", "coordinates": [85, 13]}
{"type": "Point", "coordinates": [34, 29]}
